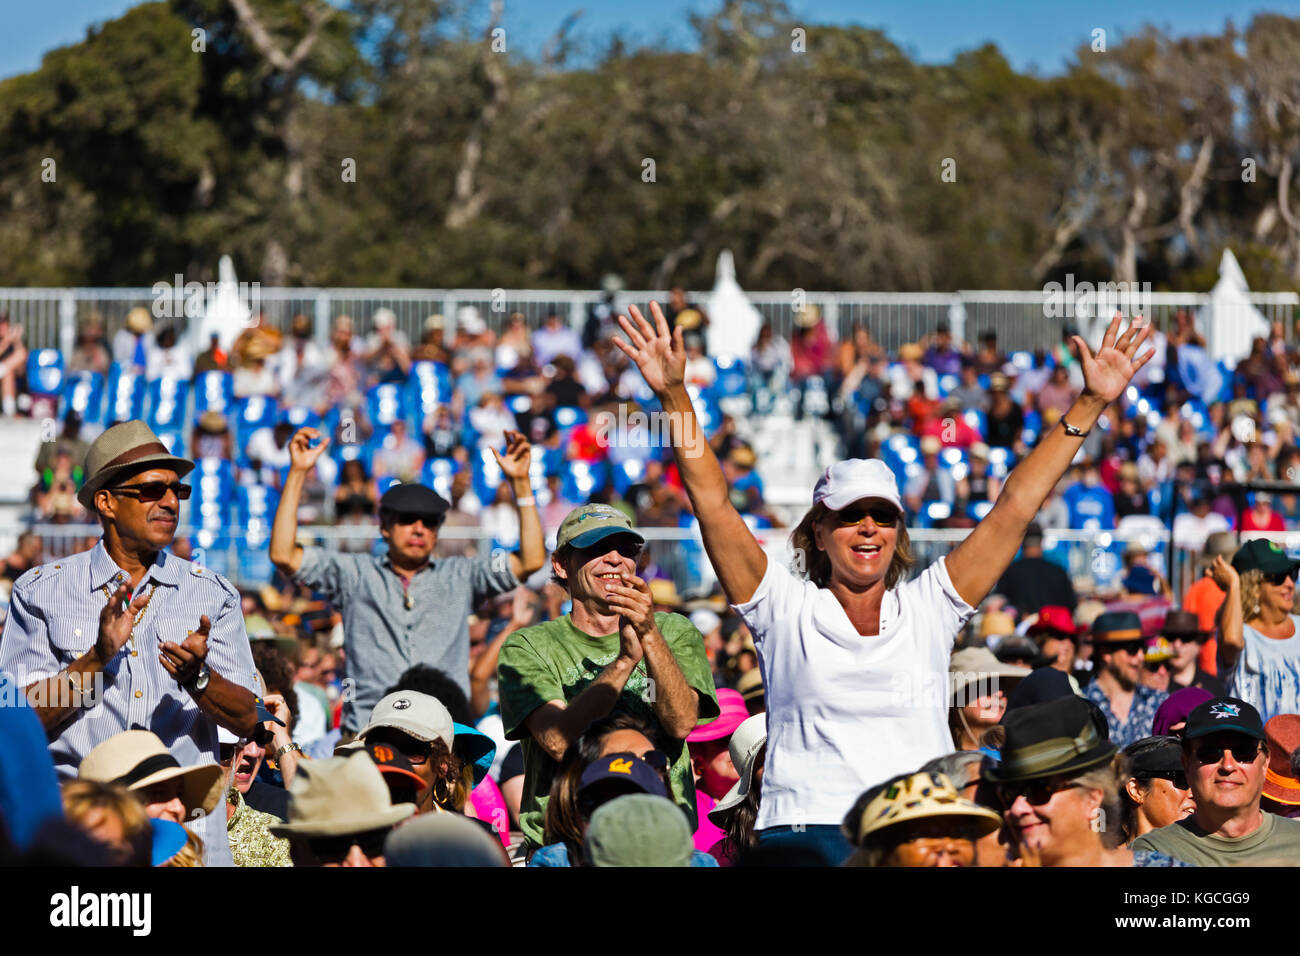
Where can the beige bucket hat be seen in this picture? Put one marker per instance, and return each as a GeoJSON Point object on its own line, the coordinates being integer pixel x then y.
{"type": "Point", "coordinates": [339, 796]}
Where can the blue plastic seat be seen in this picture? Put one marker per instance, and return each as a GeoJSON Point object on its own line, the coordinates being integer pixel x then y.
{"type": "Point", "coordinates": [213, 392]}
{"type": "Point", "coordinates": [125, 398]}
{"type": "Point", "coordinates": [83, 393]}
{"type": "Point", "coordinates": [731, 378]}
{"type": "Point", "coordinates": [45, 372]}
{"type": "Point", "coordinates": [167, 398]}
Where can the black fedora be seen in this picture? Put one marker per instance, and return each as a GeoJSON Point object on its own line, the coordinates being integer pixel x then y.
{"type": "Point", "coordinates": [1063, 736]}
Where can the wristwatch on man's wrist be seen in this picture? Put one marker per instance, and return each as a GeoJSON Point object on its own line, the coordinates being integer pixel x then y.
{"type": "Point", "coordinates": [199, 683]}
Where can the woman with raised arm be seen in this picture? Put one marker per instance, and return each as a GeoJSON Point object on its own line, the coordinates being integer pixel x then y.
{"type": "Point", "coordinates": [855, 657]}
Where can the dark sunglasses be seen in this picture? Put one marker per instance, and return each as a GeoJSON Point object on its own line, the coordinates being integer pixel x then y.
{"type": "Point", "coordinates": [1128, 647]}
{"type": "Point", "coordinates": [1037, 792]}
{"type": "Point", "coordinates": [1243, 751]}
{"type": "Point", "coordinates": [336, 849]}
{"type": "Point", "coordinates": [1154, 666]}
{"type": "Point", "coordinates": [228, 752]}
{"type": "Point", "coordinates": [153, 490]}
{"type": "Point", "coordinates": [1176, 777]}
{"type": "Point", "coordinates": [882, 516]}
{"type": "Point", "coordinates": [626, 547]}
{"type": "Point", "coordinates": [657, 759]}
{"type": "Point", "coordinates": [417, 752]}
{"type": "Point", "coordinates": [430, 521]}
{"type": "Point", "coordinates": [1279, 578]}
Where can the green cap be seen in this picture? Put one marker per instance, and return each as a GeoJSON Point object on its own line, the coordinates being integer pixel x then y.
{"type": "Point", "coordinates": [639, 830]}
{"type": "Point", "coordinates": [586, 525]}
{"type": "Point", "coordinates": [1263, 555]}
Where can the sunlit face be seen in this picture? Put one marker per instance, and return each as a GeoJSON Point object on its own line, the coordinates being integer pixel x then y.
{"type": "Point", "coordinates": [937, 841]}
{"type": "Point", "coordinates": [1277, 591]}
{"type": "Point", "coordinates": [1162, 803]}
{"type": "Point", "coordinates": [1185, 652]}
{"type": "Point", "coordinates": [592, 572]}
{"type": "Point", "coordinates": [985, 711]}
{"type": "Point", "coordinates": [1156, 674]}
{"type": "Point", "coordinates": [149, 525]}
{"type": "Point", "coordinates": [1061, 650]}
{"type": "Point", "coordinates": [162, 800]}
{"type": "Point", "coordinates": [626, 742]}
{"type": "Point", "coordinates": [711, 760]}
{"type": "Point", "coordinates": [411, 538]}
{"type": "Point", "coordinates": [248, 761]}
{"type": "Point", "coordinates": [1124, 662]}
{"type": "Point", "coordinates": [860, 551]}
{"type": "Point", "coordinates": [1061, 824]}
{"type": "Point", "coordinates": [1230, 779]}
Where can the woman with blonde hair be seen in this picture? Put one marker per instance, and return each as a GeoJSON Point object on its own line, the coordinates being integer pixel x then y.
{"type": "Point", "coordinates": [1259, 642]}
{"type": "Point", "coordinates": [110, 814]}
{"type": "Point", "coordinates": [854, 655]}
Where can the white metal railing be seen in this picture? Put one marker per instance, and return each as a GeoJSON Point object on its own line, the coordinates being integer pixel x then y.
{"type": "Point", "coordinates": [1021, 318]}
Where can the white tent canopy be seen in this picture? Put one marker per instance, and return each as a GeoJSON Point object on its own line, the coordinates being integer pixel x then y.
{"type": "Point", "coordinates": [226, 314]}
{"type": "Point", "coordinates": [1231, 322]}
{"type": "Point", "coordinates": [733, 320]}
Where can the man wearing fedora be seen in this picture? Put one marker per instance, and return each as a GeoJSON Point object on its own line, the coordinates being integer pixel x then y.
{"type": "Point", "coordinates": [127, 635]}
{"type": "Point", "coordinates": [402, 607]}
{"type": "Point", "coordinates": [1226, 759]}
{"type": "Point", "coordinates": [1119, 649]}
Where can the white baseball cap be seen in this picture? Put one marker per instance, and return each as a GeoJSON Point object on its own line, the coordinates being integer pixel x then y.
{"type": "Point", "coordinates": [847, 481]}
{"type": "Point", "coordinates": [421, 716]}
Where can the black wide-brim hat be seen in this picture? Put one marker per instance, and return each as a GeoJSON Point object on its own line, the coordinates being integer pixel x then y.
{"type": "Point", "coordinates": [1063, 736]}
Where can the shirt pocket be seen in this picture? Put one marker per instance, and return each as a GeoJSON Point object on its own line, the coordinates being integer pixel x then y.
{"type": "Point", "coordinates": [72, 637]}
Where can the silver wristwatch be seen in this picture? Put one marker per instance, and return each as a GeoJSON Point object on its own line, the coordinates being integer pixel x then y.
{"type": "Point", "coordinates": [200, 682]}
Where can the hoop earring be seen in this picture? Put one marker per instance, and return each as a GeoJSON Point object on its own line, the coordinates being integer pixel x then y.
{"type": "Point", "coordinates": [443, 798]}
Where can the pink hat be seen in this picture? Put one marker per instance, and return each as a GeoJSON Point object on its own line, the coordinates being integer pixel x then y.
{"type": "Point", "coordinates": [734, 713]}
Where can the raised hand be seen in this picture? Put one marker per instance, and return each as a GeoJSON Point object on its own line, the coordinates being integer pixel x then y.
{"type": "Point", "coordinates": [1107, 374]}
{"type": "Point", "coordinates": [518, 457]}
{"type": "Point", "coordinates": [183, 660]}
{"type": "Point", "coordinates": [301, 453]}
{"type": "Point", "coordinates": [660, 357]}
{"type": "Point", "coordinates": [116, 621]}
{"type": "Point", "coordinates": [1224, 574]}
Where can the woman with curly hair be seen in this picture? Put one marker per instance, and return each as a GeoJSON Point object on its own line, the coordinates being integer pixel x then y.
{"type": "Point", "coordinates": [1259, 645]}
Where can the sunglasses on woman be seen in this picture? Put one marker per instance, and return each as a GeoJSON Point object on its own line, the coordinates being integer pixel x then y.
{"type": "Point", "coordinates": [1154, 666]}
{"type": "Point", "coordinates": [1279, 578]}
{"type": "Point", "coordinates": [1037, 792]}
{"type": "Point", "coordinates": [883, 516]}
{"type": "Point", "coordinates": [153, 490]}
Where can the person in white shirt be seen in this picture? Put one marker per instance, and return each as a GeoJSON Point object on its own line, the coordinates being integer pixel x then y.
{"type": "Point", "coordinates": [1191, 528]}
{"type": "Point", "coordinates": [854, 657]}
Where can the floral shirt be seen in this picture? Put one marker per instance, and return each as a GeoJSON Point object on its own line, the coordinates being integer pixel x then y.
{"type": "Point", "coordinates": [251, 842]}
{"type": "Point", "coordinates": [1141, 713]}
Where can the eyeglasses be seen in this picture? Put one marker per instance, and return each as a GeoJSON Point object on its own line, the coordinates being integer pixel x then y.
{"type": "Point", "coordinates": [1154, 666]}
{"type": "Point", "coordinates": [153, 490]}
{"type": "Point", "coordinates": [336, 849]}
{"type": "Point", "coordinates": [1243, 751]}
{"type": "Point", "coordinates": [1279, 578]}
{"type": "Point", "coordinates": [657, 759]}
{"type": "Point", "coordinates": [1128, 647]}
{"type": "Point", "coordinates": [883, 516]}
{"type": "Point", "coordinates": [626, 547]}
{"type": "Point", "coordinates": [228, 752]}
{"type": "Point", "coordinates": [1037, 792]}
{"type": "Point", "coordinates": [430, 521]}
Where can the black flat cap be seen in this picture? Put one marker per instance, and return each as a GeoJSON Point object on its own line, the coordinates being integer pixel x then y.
{"type": "Point", "coordinates": [413, 499]}
{"type": "Point", "coordinates": [1155, 756]}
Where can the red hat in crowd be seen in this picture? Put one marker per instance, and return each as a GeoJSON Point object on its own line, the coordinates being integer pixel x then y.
{"type": "Point", "coordinates": [1055, 619]}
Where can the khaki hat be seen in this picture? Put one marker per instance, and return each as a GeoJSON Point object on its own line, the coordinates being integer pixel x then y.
{"type": "Point", "coordinates": [137, 759]}
{"type": "Point", "coordinates": [911, 352]}
{"type": "Point", "coordinates": [587, 525]}
{"type": "Point", "coordinates": [639, 830]}
{"type": "Point", "coordinates": [339, 796]}
{"type": "Point", "coordinates": [1087, 612]}
{"type": "Point", "coordinates": [423, 717]}
{"type": "Point", "coordinates": [212, 421]}
{"type": "Point", "coordinates": [664, 591]}
{"type": "Point", "coordinates": [688, 319]}
{"type": "Point", "coordinates": [139, 321]}
{"type": "Point", "coordinates": [747, 741]}
{"type": "Point", "coordinates": [919, 796]}
{"type": "Point", "coordinates": [743, 456]}
{"type": "Point", "coordinates": [750, 684]}
{"type": "Point", "coordinates": [978, 665]}
{"type": "Point", "coordinates": [997, 624]}
{"type": "Point", "coordinates": [125, 446]}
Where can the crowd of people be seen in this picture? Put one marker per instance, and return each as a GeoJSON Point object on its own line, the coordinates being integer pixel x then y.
{"type": "Point", "coordinates": [400, 707]}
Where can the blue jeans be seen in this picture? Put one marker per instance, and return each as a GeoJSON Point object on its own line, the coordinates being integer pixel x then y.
{"type": "Point", "coordinates": [825, 839]}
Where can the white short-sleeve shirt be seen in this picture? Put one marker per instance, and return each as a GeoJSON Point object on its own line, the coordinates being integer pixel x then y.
{"type": "Point", "coordinates": [846, 711]}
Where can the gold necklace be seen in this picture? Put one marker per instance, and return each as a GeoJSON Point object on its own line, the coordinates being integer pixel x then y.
{"type": "Point", "coordinates": [139, 617]}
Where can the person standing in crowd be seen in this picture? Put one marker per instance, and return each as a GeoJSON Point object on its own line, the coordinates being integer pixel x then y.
{"type": "Point", "coordinates": [916, 819]}
{"type": "Point", "coordinates": [836, 648]}
{"type": "Point", "coordinates": [1153, 787]}
{"type": "Point", "coordinates": [1128, 705]}
{"type": "Point", "coordinates": [715, 775]}
{"type": "Point", "coordinates": [1054, 633]}
{"type": "Point", "coordinates": [403, 607]}
{"type": "Point", "coordinates": [1058, 783]}
{"type": "Point", "coordinates": [735, 813]}
{"type": "Point", "coordinates": [1225, 757]}
{"type": "Point", "coordinates": [1031, 581]}
{"type": "Point", "coordinates": [605, 655]}
{"type": "Point", "coordinates": [133, 635]}
{"type": "Point", "coordinates": [1259, 643]}
{"type": "Point", "coordinates": [1182, 630]}
{"type": "Point", "coordinates": [1204, 597]}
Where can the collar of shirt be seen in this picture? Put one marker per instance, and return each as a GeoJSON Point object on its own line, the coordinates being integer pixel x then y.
{"type": "Point", "coordinates": [104, 570]}
{"type": "Point", "coordinates": [386, 561]}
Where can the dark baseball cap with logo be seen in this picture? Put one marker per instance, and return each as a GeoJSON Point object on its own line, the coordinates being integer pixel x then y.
{"type": "Point", "coordinates": [1224, 713]}
{"type": "Point", "coordinates": [625, 767]}
{"type": "Point", "coordinates": [1263, 555]}
{"type": "Point", "coordinates": [392, 762]}
{"type": "Point", "coordinates": [586, 525]}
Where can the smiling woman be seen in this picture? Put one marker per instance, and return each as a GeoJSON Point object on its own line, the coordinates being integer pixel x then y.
{"type": "Point", "coordinates": [851, 655]}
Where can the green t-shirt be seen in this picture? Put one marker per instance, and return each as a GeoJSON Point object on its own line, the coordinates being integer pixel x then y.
{"type": "Point", "coordinates": [556, 661]}
{"type": "Point", "coordinates": [1275, 843]}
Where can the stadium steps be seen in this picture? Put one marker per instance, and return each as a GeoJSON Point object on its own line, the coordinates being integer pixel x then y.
{"type": "Point", "coordinates": [791, 455]}
{"type": "Point", "coordinates": [21, 439]}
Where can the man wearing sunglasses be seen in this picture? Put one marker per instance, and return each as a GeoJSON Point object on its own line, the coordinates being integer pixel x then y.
{"type": "Point", "coordinates": [1119, 649]}
{"type": "Point", "coordinates": [403, 608]}
{"type": "Point", "coordinates": [134, 636]}
{"type": "Point", "coordinates": [1225, 758]}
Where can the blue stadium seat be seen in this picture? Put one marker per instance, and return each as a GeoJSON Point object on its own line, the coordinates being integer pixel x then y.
{"type": "Point", "coordinates": [213, 392]}
{"type": "Point", "coordinates": [485, 475]}
{"type": "Point", "coordinates": [45, 372]}
{"type": "Point", "coordinates": [300, 416]}
{"type": "Point", "coordinates": [935, 511]}
{"type": "Point", "coordinates": [125, 395]}
{"type": "Point", "coordinates": [432, 381]}
{"type": "Point", "coordinates": [384, 482]}
{"type": "Point", "coordinates": [552, 460]}
{"type": "Point", "coordinates": [385, 404]}
{"type": "Point", "coordinates": [83, 393]}
{"type": "Point", "coordinates": [252, 413]}
{"type": "Point", "coordinates": [519, 404]}
{"type": "Point", "coordinates": [438, 473]}
{"type": "Point", "coordinates": [584, 479]}
{"type": "Point", "coordinates": [979, 509]}
{"type": "Point", "coordinates": [627, 473]}
{"type": "Point", "coordinates": [174, 439]}
{"type": "Point", "coordinates": [731, 378]}
{"type": "Point", "coordinates": [947, 383]}
{"type": "Point", "coordinates": [976, 419]}
{"type": "Point", "coordinates": [567, 417]}
{"type": "Point", "coordinates": [166, 403]}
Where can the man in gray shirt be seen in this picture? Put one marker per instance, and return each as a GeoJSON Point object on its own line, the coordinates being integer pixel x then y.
{"type": "Point", "coordinates": [402, 607]}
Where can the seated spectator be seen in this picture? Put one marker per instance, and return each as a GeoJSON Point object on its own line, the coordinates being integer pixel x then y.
{"type": "Point", "coordinates": [978, 687]}
{"type": "Point", "coordinates": [1281, 793]}
{"type": "Point", "coordinates": [1183, 631]}
{"type": "Point", "coordinates": [1057, 395]}
{"type": "Point", "coordinates": [212, 359]}
{"type": "Point", "coordinates": [401, 456]}
{"type": "Point", "coordinates": [254, 374]}
{"type": "Point", "coordinates": [554, 339]}
{"type": "Point", "coordinates": [1057, 778]}
{"type": "Point", "coordinates": [770, 357]}
{"type": "Point", "coordinates": [1153, 787]}
{"type": "Point", "coordinates": [112, 816]}
{"type": "Point", "coordinates": [1225, 756]}
{"type": "Point", "coordinates": [443, 839]}
{"type": "Point", "coordinates": [169, 358]}
{"type": "Point", "coordinates": [139, 761]}
{"type": "Point", "coordinates": [432, 346]}
{"type": "Point", "coordinates": [388, 352]}
{"type": "Point", "coordinates": [700, 370]}
{"type": "Point", "coordinates": [514, 347]}
{"type": "Point", "coordinates": [340, 813]}
{"type": "Point", "coordinates": [1054, 633]}
{"type": "Point", "coordinates": [1261, 516]}
{"type": "Point", "coordinates": [1130, 499]}
{"type": "Point", "coordinates": [1191, 529]}
{"type": "Point", "coordinates": [55, 496]}
{"type": "Point", "coordinates": [300, 364]}
{"type": "Point", "coordinates": [1091, 506]}
{"type": "Point", "coordinates": [736, 813]}
{"type": "Point", "coordinates": [491, 419]}
{"type": "Point", "coordinates": [709, 745]}
{"type": "Point", "coordinates": [934, 482]}
{"type": "Point", "coordinates": [90, 353]}
{"type": "Point", "coordinates": [268, 451]}
{"type": "Point", "coordinates": [639, 829]}
{"type": "Point", "coordinates": [131, 344]}
{"type": "Point", "coordinates": [354, 503]}
{"type": "Point", "coordinates": [248, 828]}
{"type": "Point", "coordinates": [916, 819]}
{"type": "Point", "coordinates": [988, 359]}
{"type": "Point", "coordinates": [481, 379]}
{"type": "Point", "coordinates": [211, 437]}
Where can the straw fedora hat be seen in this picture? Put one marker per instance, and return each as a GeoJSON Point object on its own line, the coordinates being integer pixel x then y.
{"type": "Point", "coordinates": [122, 447]}
{"type": "Point", "coordinates": [137, 759]}
{"type": "Point", "coordinates": [917, 797]}
{"type": "Point", "coordinates": [339, 796]}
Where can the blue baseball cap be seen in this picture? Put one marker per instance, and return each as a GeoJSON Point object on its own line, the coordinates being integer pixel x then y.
{"type": "Point", "coordinates": [168, 839]}
{"type": "Point", "coordinates": [475, 747]}
{"type": "Point", "coordinates": [626, 767]}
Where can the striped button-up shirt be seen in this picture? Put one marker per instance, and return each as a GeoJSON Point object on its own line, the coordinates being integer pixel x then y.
{"type": "Point", "coordinates": [388, 627]}
{"type": "Point", "coordinates": [54, 619]}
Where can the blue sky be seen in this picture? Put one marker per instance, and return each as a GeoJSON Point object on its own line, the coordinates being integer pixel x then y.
{"type": "Point", "coordinates": [1031, 33]}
